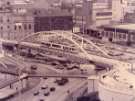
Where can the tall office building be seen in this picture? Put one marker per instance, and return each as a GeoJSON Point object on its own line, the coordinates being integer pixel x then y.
{"type": "Point", "coordinates": [118, 10]}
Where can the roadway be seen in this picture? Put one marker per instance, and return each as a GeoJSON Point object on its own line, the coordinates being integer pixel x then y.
{"type": "Point", "coordinates": [60, 93]}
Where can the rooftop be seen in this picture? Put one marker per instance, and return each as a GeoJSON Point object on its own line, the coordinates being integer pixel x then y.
{"type": "Point", "coordinates": [125, 28]}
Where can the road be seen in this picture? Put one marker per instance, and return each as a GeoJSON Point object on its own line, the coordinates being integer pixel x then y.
{"type": "Point", "coordinates": [60, 93]}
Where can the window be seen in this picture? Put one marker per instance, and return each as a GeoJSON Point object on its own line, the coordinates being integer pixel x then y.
{"type": "Point", "coordinates": [35, 13]}
{"type": "Point", "coordinates": [1, 27]}
{"type": "Point", "coordinates": [124, 36]}
{"type": "Point", "coordinates": [1, 8]}
{"type": "Point", "coordinates": [8, 3]}
{"type": "Point", "coordinates": [8, 20]}
{"type": "Point", "coordinates": [103, 33]}
{"type": "Point", "coordinates": [25, 27]}
{"type": "Point", "coordinates": [104, 14]}
{"type": "Point", "coordinates": [8, 27]}
{"type": "Point", "coordinates": [19, 27]}
{"type": "Point", "coordinates": [29, 26]}
{"type": "Point", "coordinates": [15, 27]}
{"type": "Point", "coordinates": [1, 19]}
{"type": "Point", "coordinates": [107, 34]}
{"type": "Point", "coordinates": [120, 36]}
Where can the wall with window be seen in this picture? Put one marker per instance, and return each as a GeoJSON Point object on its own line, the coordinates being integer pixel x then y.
{"type": "Point", "coordinates": [6, 23]}
{"type": "Point", "coordinates": [23, 25]}
{"type": "Point", "coordinates": [46, 23]}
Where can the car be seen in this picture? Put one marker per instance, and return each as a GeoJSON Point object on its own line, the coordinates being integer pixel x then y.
{"type": "Point", "coordinates": [112, 53]}
{"type": "Point", "coordinates": [44, 87]}
{"type": "Point", "coordinates": [69, 68]}
{"type": "Point", "coordinates": [46, 93]}
{"type": "Point", "coordinates": [54, 63]}
{"type": "Point", "coordinates": [75, 67]}
{"type": "Point", "coordinates": [36, 93]}
{"type": "Point", "coordinates": [62, 81]}
{"type": "Point", "coordinates": [52, 89]}
{"type": "Point", "coordinates": [33, 67]}
{"type": "Point", "coordinates": [45, 78]}
{"type": "Point", "coordinates": [41, 99]}
{"type": "Point", "coordinates": [60, 67]}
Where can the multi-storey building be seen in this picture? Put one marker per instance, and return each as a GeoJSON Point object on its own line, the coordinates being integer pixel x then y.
{"type": "Point", "coordinates": [5, 22]}
{"type": "Point", "coordinates": [23, 19]}
{"type": "Point", "coordinates": [53, 20]}
{"type": "Point", "coordinates": [93, 13]}
{"type": "Point", "coordinates": [19, 18]}
{"type": "Point", "coordinates": [15, 20]}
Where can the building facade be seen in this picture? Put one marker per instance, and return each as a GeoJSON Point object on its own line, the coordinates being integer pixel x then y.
{"type": "Point", "coordinates": [19, 18]}
{"type": "Point", "coordinates": [53, 19]}
{"type": "Point", "coordinates": [94, 13]}
{"type": "Point", "coordinates": [16, 20]}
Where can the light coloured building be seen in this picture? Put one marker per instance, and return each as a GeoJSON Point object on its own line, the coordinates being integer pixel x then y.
{"type": "Point", "coordinates": [118, 10]}
{"type": "Point", "coordinates": [23, 19]}
{"type": "Point", "coordinates": [6, 22]}
{"type": "Point", "coordinates": [93, 13]}
{"type": "Point", "coordinates": [102, 14]}
{"type": "Point", "coordinates": [15, 19]}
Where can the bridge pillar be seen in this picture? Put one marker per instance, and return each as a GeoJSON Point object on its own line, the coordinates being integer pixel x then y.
{"type": "Point", "coordinates": [82, 43]}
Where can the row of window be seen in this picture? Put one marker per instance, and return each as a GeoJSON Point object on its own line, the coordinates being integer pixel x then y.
{"type": "Point", "coordinates": [104, 14]}
{"type": "Point", "coordinates": [1, 20]}
{"type": "Point", "coordinates": [114, 35]}
{"type": "Point", "coordinates": [25, 27]}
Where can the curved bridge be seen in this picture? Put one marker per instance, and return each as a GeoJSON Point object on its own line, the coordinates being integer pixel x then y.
{"type": "Point", "coordinates": [84, 46]}
{"type": "Point", "coordinates": [78, 41]}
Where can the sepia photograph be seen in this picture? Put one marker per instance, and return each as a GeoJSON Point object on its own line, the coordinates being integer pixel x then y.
{"type": "Point", "coordinates": [67, 50]}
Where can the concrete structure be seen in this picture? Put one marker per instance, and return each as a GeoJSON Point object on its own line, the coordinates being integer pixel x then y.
{"type": "Point", "coordinates": [117, 85]}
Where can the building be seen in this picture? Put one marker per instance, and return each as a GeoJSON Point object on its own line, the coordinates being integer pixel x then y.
{"type": "Point", "coordinates": [118, 11]}
{"type": "Point", "coordinates": [102, 14]}
{"type": "Point", "coordinates": [5, 22]}
{"type": "Point", "coordinates": [90, 14]}
{"type": "Point", "coordinates": [53, 19]}
{"type": "Point", "coordinates": [129, 17]}
{"type": "Point", "coordinates": [130, 6]}
{"type": "Point", "coordinates": [122, 33]}
{"type": "Point", "coordinates": [16, 20]}
{"type": "Point", "coordinates": [22, 17]}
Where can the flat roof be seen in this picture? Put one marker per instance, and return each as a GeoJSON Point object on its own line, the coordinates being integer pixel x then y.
{"type": "Point", "coordinates": [125, 28]}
